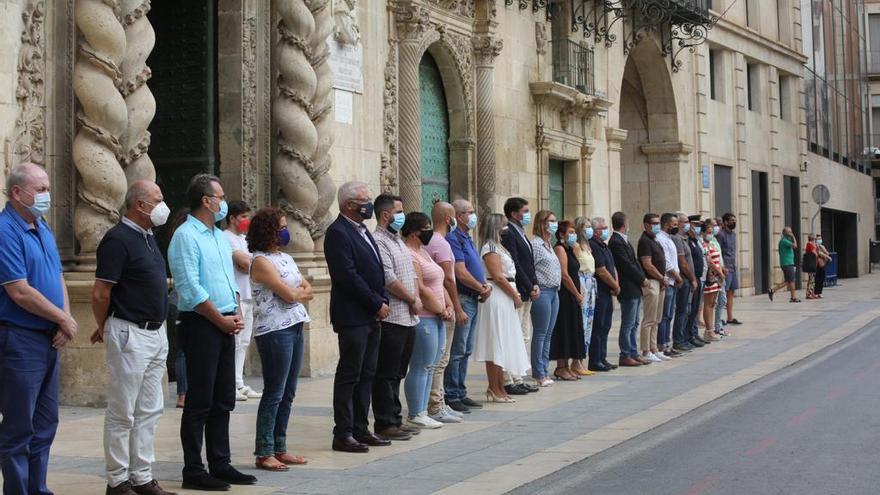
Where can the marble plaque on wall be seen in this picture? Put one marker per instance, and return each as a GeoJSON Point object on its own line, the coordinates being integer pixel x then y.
{"type": "Point", "coordinates": [347, 62]}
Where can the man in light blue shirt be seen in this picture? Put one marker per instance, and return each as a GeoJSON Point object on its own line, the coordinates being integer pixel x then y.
{"type": "Point", "coordinates": [201, 263]}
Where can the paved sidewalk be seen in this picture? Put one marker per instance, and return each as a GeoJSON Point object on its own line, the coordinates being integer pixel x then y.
{"type": "Point", "coordinates": [504, 445]}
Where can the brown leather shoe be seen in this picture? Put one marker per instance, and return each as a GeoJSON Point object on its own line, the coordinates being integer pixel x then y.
{"type": "Point", "coordinates": [394, 433]}
{"type": "Point", "coordinates": [372, 440]}
{"type": "Point", "coordinates": [123, 488]}
{"type": "Point", "coordinates": [151, 488]}
{"type": "Point", "coordinates": [349, 444]}
{"type": "Point", "coordinates": [628, 361]}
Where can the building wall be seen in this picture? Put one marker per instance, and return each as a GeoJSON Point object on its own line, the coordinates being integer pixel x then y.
{"type": "Point", "coordinates": [10, 40]}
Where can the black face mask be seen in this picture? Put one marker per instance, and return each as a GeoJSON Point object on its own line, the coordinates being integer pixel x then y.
{"type": "Point", "coordinates": [731, 226]}
{"type": "Point", "coordinates": [425, 236]}
{"type": "Point", "coordinates": [673, 231]}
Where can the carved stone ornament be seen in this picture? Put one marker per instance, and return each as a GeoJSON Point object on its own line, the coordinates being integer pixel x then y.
{"type": "Point", "coordinates": [388, 171]}
{"type": "Point", "coordinates": [461, 7]}
{"type": "Point", "coordinates": [346, 30]}
{"type": "Point", "coordinates": [413, 21]}
{"type": "Point", "coordinates": [541, 37]}
{"type": "Point", "coordinates": [249, 173]}
{"type": "Point", "coordinates": [30, 126]}
{"type": "Point", "coordinates": [461, 48]}
{"type": "Point", "coordinates": [486, 48]}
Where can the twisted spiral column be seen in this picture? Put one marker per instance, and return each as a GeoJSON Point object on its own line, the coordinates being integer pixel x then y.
{"type": "Point", "coordinates": [102, 119]}
{"type": "Point", "coordinates": [321, 110]}
{"type": "Point", "coordinates": [139, 100]}
{"type": "Point", "coordinates": [292, 109]}
{"type": "Point", "coordinates": [486, 49]}
{"type": "Point", "coordinates": [409, 165]}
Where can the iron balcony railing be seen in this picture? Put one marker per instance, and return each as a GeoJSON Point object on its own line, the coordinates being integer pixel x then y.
{"type": "Point", "coordinates": [687, 11]}
{"type": "Point", "coordinates": [573, 65]}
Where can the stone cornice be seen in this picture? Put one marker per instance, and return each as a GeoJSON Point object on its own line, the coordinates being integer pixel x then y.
{"type": "Point", "coordinates": [564, 98]}
{"type": "Point", "coordinates": [669, 151]}
{"type": "Point", "coordinates": [615, 135]}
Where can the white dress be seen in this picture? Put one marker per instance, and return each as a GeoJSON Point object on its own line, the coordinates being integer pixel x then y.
{"type": "Point", "coordinates": [499, 331]}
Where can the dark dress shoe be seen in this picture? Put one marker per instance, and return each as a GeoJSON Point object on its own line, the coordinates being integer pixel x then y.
{"type": "Point", "coordinates": [457, 405]}
{"type": "Point", "coordinates": [393, 433]}
{"type": "Point", "coordinates": [734, 322]}
{"type": "Point", "coordinates": [151, 488]}
{"type": "Point", "coordinates": [628, 361]}
{"type": "Point", "coordinates": [530, 388]}
{"type": "Point", "coordinates": [673, 353]}
{"type": "Point", "coordinates": [349, 444]}
{"type": "Point", "coordinates": [470, 403]}
{"type": "Point", "coordinates": [598, 367]}
{"type": "Point", "coordinates": [206, 483]}
{"type": "Point", "coordinates": [234, 476]}
{"type": "Point", "coordinates": [515, 390]}
{"type": "Point", "coordinates": [609, 365]}
{"type": "Point", "coordinates": [683, 347]}
{"type": "Point", "coordinates": [372, 440]}
{"type": "Point", "coordinates": [696, 343]}
{"type": "Point", "coordinates": [123, 488]}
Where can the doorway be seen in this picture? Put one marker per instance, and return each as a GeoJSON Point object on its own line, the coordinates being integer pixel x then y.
{"type": "Point", "coordinates": [723, 190]}
{"type": "Point", "coordinates": [433, 134]}
{"type": "Point", "coordinates": [760, 233]}
{"type": "Point", "coordinates": [840, 234]}
{"type": "Point", "coordinates": [557, 188]}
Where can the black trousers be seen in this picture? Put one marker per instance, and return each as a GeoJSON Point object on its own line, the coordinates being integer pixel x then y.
{"type": "Point", "coordinates": [210, 373]}
{"type": "Point", "coordinates": [819, 285]}
{"type": "Point", "coordinates": [395, 349]}
{"type": "Point", "coordinates": [353, 384]}
{"type": "Point", "coordinates": [598, 351]}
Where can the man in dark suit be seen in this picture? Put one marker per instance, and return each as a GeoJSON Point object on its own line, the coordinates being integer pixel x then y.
{"type": "Point", "coordinates": [632, 280]}
{"type": "Point", "coordinates": [517, 244]}
{"type": "Point", "coordinates": [358, 300]}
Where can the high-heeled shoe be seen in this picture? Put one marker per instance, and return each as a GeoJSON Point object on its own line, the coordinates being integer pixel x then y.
{"type": "Point", "coordinates": [491, 397]}
{"type": "Point", "coordinates": [583, 372]}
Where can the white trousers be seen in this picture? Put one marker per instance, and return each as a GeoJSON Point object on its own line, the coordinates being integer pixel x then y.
{"type": "Point", "coordinates": [525, 317]}
{"type": "Point", "coordinates": [136, 359]}
{"type": "Point", "coordinates": [242, 341]}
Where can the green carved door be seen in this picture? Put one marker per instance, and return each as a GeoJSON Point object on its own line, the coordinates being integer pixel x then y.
{"type": "Point", "coordinates": [434, 135]}
{"type": "Point", "coordinates": [557, 190]}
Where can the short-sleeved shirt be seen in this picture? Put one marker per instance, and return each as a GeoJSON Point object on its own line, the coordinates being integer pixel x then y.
{"type": "Point", "coordinates": [432, 277]}
{"type": "Point", "coordinates": [604, 259]}
{"type": "Point", "coordinates": [272, 313]}
{"type": "Point", "coordinates": [129, 258]}
{"type": "Point", "coordinates": [670, 251]}
{"type": "Point", "coordinates": [786, 252]}
{"type": "Point", "coordinates": [28, 253]}
{"type": "Point", "coordinates": [717, 247]}
{"type": "Point", "coordinates": [547, 267]}
{"type": "Point", "coordinates": [464, 251]}
{"type": "Point", "coordinates": [727, 241]}
{"type": "Point", "coordinates": [238, 242]}
{"type": "Point", "coordinates": [681, 244]}
{"type": "Point", "coordinates": [397, 262]}
{"type": "Point", "coordinates": [201, 264]}
{"type": "Point", "coordinates": [698, 257]}
{"type": "Point", "coordinates": [439, 250]}
{"type": "Point", "coordinates": [648, 246]}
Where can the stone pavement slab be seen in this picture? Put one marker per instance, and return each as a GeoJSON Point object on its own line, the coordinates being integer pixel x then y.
{"type": "Point", "coordinates": [502, 446]}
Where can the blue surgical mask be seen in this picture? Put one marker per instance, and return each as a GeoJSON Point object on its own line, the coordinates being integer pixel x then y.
{"type": "Point", "coordinates": [42, 203]}
{"type": "Point", "coordinates": [527, 218]}
{"type": "Point", "coordinates": [284, 236]}
{"type": "Point", "coordinates": [819, 241]}
{"type": "Point", "coordinates": [709, 237]}
{"type": "Point", "coordinates": [552, 227]}
{"type": "Point", "coordinates": [572, 239]}
{"type": "Point", "coordinates": [588, 232]}
{"type": "Point", "coordinates": [397, 222]}
{"type": "Point", "coordinates": [687, 228]}
{"type": "Point", "coordinates": [698, 230]}
{"type": "Point", "coordinates": [472, 221]}
{"type": "Point", "coordinates": [221, 214]}
{"type": "Point", "coordinates": [655, 229]}
{"type": "Point", "coordinates": [453, 225]}
{"type": "Point", "coordinates": [606, 234]}
{"type": "Point", "coordinates": [715, 230]}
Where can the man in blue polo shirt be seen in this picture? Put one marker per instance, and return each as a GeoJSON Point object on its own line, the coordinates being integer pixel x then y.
{"type": "Point", "coordinates": [200, 259]}
{"type": "Point", "coordinates": [35, 321]}
{"type": "Point", "coordinates": [472, 288]}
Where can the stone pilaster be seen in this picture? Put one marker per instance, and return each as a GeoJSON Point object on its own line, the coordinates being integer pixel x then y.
{"type": "Point", "coordinates": [615, 138]}
{"type": "Point", "coordinates": [486, 48]}
{"type": "Point", "coordinates": [742, 186]}
{"type": "Point", "coordinates": [701, 81]}
{"type": "Point", "coordinates": [668, 174]}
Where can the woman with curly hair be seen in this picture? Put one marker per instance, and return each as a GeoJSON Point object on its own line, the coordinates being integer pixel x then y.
{"type": "Point", "coordinates": [278, 291]}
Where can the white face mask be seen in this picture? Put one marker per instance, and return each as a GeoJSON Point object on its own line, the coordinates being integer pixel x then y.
{"type": "Point", "coordinates": [159, 215]}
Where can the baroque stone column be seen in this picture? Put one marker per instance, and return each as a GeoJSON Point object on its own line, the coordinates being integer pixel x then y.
{"type": "Point", "coordinates": [486, 48]}
{"type": "Point", "coordinates": [140, 39]}
{"type": "Point", "coordinates": [322, 106]}
{"type": "Point", "coordinates": [102, 120]}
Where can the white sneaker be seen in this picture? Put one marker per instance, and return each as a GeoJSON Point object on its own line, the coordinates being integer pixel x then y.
{"type": "Point", "coordinates": [250, 393]}
{"type": "Point", "coordinates": [653, 358]}
{"type": "Point", "coordinates": [449, 410]}
{"type": "Point", "coordinates": [445, 417]}
{"type": "Point", "coordinates": [240, 397]}
{"type": "Point", "coordinates": [663, 357]}
{"type": "Point", "coordinates": [422, 421]}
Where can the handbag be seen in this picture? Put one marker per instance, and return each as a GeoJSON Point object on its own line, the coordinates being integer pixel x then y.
{"type": "Point", "coordinates": [810, 261]}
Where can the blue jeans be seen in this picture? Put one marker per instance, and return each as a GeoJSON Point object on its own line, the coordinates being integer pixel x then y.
{"type": "Point", "coordinates": [462, 347]}
{"type": "Point", "coordinates": [29, 405]}
{"type": "Point", "coordinates": [664, 335]}
{"type": "Point", "coordinates": [682, 311]}
{"type": "Point", "coordinates": [281, 354]}
{"type": "Point", "coordinates": [598, 351]}
{"type": "Point", "coordinates": [544, 312]}
{"type": "Point", "coordinates": [630, 309]}
{"type": "Point", "coordinates": [693, 329]}
{"type": "Point", "coordinates": [429, 342]}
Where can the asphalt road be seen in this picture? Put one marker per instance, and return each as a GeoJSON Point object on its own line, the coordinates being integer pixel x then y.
{"type": "Point", "coordinates": [812, 428]}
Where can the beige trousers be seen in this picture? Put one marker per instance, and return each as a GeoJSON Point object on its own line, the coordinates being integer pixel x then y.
{"type": "Point", "coordinates": [653, 309]}
{"type": "Point", "coordinates": [436, 401]}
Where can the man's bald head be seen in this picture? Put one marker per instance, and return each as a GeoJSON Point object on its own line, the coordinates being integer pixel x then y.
{"type": "Point", "coordinates": [141, 190]}
{"type": "Point", "coordinates": [441, 213]}
{"type": "Point", "coordinates": [28, 176]}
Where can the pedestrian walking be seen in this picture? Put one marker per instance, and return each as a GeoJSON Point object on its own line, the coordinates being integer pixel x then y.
{"type": "Point", "coordinates": [279, 291]}
{"type": "Point", "coordinates": [35, 321]}
{"type": "Point", "coordinates": [358, 302]}
{"type": "Point", "coordinates": [470, 281]}
{"type": "Point", "coordinates": [237, 223]}
{"type": "Point", "coordinates": [516, 243]}
{"type": "Point", "coordinates": [396, 341]}
{"type": "Point", "coordinates": [787, 246]}
{"type": "Point", "coordinates": [633, 281]}
{"type": "Point", "coordinates": [499, 341]}
{"type": "Point", "coordinates": [130, 301]}
{"type": "Point", "coordinates": [200, 259]}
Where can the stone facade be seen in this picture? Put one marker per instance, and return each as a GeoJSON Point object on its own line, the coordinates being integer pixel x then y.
{"type": "Point", "coordinates": [645, 131]}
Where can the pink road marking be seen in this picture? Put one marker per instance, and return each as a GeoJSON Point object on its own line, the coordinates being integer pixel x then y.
{"type": "Point", "coordinates": [701, 486]}
{"type": "Point", "coordinates": [835, 393]}
{"type": "Point", "coordinates": [761, 446]}
{"type": "Point", "coordinates": [803, 417]}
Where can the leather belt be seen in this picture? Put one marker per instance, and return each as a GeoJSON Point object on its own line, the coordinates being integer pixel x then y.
{"type": "Point", "coordinates": [143, 325]}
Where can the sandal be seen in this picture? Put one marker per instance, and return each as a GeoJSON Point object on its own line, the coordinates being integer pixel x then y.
{"type": "Point", "coordinates": [270, 463]}
{"type": "Point", "coordinates": [292, 460]}
{"type": "Point", "coordinates": [563, 378]}
{"type": "Point", "coordinates": [583, 372]}
{"type": "Point", "coordinates": [795, 300]}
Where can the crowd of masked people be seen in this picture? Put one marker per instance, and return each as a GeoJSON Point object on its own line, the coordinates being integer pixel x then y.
{"type": "Point", "coordinates": [530, 295]}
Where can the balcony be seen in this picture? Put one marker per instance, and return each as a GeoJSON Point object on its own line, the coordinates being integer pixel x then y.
{"type": "Point", "coordinates": [573, 65]}
{"type": "Point", "coordinates": [874, 65]}
{"type": "Point", "coordinates": [686, 11]}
